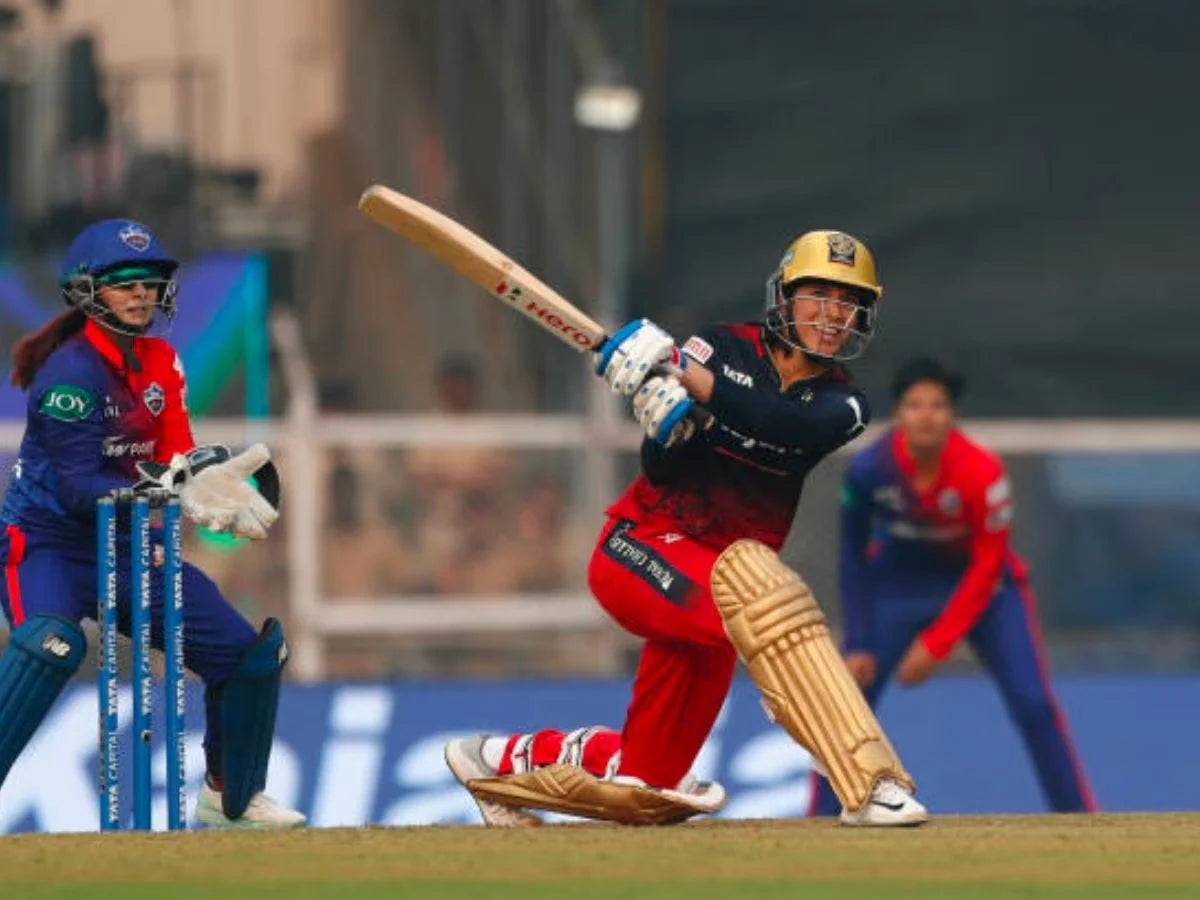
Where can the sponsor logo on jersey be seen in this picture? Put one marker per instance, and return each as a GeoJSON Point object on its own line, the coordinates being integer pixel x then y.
{"type": "Point", "coordinates": [918, 531]}
{"type": "Point", "coordinates": [999, 499]}
{"type": "Point", "coordinates": [115, 448]}
{"type": "Point", "coordinates": [67, 403]}
{"type": "Point", "coordinates": [890, 497]}
{"type": "Point", "coordinates": [178, 366]}
{"type": "Point", "coordinates": [860, 422]}
{"type": "Point", "coordinates": [698, 349]}
{"type": "Point", "coordinates": [998, 491]}
{"type": "Point", "coordinates": [638, 558]}
{"type": "Point", "coordinates": [154, 398]}
{"type": "Point", "coordinates": [135, 237]}
{"type": "Point", "coordinates": [737, 377]}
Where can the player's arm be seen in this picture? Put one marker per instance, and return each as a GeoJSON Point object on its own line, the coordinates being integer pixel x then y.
{"type": "Point", "coordinates": [854, 536]}
{"type": "Point", "coordinates": [70, 415]}
{"type": "Point", "coordinates": [831, 418]}
{"type": "Point", "coordinates": [990, 528]}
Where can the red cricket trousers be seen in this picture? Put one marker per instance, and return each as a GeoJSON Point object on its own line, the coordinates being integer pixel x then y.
{"type": "Point", "coordinates": [655, 583]}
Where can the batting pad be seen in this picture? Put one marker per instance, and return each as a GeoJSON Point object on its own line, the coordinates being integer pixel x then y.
{"type": "Point", "coordinates": [780, 633]}
{"type": "Point", "coordinates": [576, 792]}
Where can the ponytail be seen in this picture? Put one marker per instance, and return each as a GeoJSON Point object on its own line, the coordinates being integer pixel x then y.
{"type": "Point", "coordinates": [31, 351]}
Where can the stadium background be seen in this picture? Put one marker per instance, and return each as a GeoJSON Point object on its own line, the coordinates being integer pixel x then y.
{"type": "Point", "coordinates": [1023, 171]}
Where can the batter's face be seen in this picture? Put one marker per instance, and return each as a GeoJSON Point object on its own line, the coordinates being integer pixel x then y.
{"type": "Point", "coordinates": [823, 314]}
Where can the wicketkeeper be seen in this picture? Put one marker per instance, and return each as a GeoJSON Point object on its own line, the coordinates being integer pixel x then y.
{"type": "Point", "coordinates": [107, 409]}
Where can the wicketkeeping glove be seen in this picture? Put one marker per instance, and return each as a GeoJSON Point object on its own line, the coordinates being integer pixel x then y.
{"type": "Point", "coordinates": [661, 408]}
{"type": "Point", "coordinates": [213, 490]}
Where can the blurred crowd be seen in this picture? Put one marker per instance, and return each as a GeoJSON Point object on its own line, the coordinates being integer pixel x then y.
{"type": "Point", "coordinates": [446, 520]}
{"type": "Point", "coordinates": [428, 522]}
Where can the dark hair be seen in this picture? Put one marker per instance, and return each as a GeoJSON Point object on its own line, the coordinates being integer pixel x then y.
{"type": "Point", "coordinates": [925, 368]}
{"type": "Point", "coordinates": [31, 351]}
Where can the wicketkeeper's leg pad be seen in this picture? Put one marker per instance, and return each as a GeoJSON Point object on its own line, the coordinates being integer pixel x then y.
{"type": "Point", "coordinates": [571, 790]}
{"type": "Point", "coordinates": [781, 634]}
{"type": "Point", "coordinates": [249, 701]}
{"type": "Point", "coordinates": [42, 654]}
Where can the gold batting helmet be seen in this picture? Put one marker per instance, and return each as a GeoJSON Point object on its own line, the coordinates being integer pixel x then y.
{"type": "Point", "coordinates": [832, 256]}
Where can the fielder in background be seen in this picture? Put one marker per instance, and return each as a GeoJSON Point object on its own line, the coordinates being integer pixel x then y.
{"type": "Point", "coordinates": [925, 563]}
{"type": "Point", "coordinates": [687, 561]}
{"type": "Point", "coordinates": [107, 409]}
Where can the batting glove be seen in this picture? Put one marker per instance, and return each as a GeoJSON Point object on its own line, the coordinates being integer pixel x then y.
{"type": "Point", "coordinates": [629, 357]}
{"type": "Point", "coordinates": [661, 407]}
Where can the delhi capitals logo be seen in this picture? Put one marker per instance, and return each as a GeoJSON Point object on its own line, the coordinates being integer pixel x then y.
{"type": "Point", "coordinates": [949, 502]}
{"type": "Point", "coordinates": [154, 398]}
{"type": "Point", "coordinates": [135, 237]}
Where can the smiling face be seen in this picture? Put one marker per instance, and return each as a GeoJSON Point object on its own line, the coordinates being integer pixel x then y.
{"type": "Point", "coordinates": [824, 314]}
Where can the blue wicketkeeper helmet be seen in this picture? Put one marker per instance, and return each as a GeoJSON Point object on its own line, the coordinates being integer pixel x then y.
{"type": "Point", "coordinates": [116, 246]}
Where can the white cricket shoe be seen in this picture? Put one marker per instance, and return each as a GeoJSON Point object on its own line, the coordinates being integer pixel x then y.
{"type": "Point", "coordinates": [706, 796]}
{"type": "Point", "coordinates": [891, 804]}
{"type": "Point", "coordinates": [464, 756]}
{"type": "Point", "coordinates": [261, 812]}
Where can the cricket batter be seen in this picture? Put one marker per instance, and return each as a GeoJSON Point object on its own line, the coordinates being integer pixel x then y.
{"type": "Point", "coordinates": [688, 562]}
{"type": "Point", "coordinates": [925, 563]}
{"type": "Point", "coordinates": [107, 409]}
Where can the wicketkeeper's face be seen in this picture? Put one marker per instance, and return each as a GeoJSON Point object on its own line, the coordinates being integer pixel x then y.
{"type": "Point", "coordinates": [132, 294]}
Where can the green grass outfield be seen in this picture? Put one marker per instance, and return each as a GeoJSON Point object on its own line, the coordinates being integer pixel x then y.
{"type": "Point", "coordinates": [1104, 856]}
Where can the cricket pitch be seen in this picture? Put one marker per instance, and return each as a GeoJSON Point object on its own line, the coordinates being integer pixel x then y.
{"type": "Point", "coordinates": [1101, 856]}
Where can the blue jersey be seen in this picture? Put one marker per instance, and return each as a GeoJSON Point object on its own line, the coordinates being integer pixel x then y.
{"type": "Point", "coordinates": [954, 531]}
{"type": "Point", "coordinates": [91, 416]}
{"type": "Point", "coordinates": [743, 477]}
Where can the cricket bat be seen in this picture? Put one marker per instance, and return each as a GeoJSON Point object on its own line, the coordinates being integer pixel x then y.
{"type": "Point", "coordinates": [470, 255]}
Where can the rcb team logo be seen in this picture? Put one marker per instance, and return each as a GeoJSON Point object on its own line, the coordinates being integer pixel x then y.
{"type": "Point", "coordinates": [841, 248]}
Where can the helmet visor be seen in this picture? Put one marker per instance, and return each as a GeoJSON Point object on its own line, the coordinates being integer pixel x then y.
{"type": "Point", "coordinates": [118, 276]}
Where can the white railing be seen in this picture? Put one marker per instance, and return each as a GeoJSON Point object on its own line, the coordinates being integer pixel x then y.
{"type": "Point", "coordinates": [302, 435]}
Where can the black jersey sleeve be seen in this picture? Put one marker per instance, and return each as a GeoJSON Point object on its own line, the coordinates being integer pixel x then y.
{"type": "Point", "coordinates": [821, 418]}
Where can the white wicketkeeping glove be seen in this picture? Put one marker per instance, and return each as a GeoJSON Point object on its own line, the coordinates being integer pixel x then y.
{"type": "Point", "coordinates": [223, 497]}
{"type": "Point", "coordinates": [630, 355]}
{"type": "Point", "coordinates": [661, 407]}
{"type": "Point", "coordinates": [217, 496]}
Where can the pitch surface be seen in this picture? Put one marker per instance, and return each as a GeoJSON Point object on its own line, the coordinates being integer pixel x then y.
{"type": "Point", "coordinates": [1105, 856]}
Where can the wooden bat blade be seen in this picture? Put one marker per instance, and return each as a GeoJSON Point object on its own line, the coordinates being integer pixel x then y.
{"type": "Point", "coordinates": [470, 255]}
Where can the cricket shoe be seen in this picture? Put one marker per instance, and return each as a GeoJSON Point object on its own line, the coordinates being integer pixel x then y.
{"type": "Point", "coordinates": [464, 756]}
{"type": "Point", "coordinates": [708, 796]}
{"type": "Point", "coordinates": [890, 804]}
{"type": "Point", "coordinates": [261, 812]}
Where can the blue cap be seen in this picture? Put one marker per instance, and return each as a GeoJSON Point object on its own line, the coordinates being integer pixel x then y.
{"type": "Point", "coordinates": [114, 242]}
